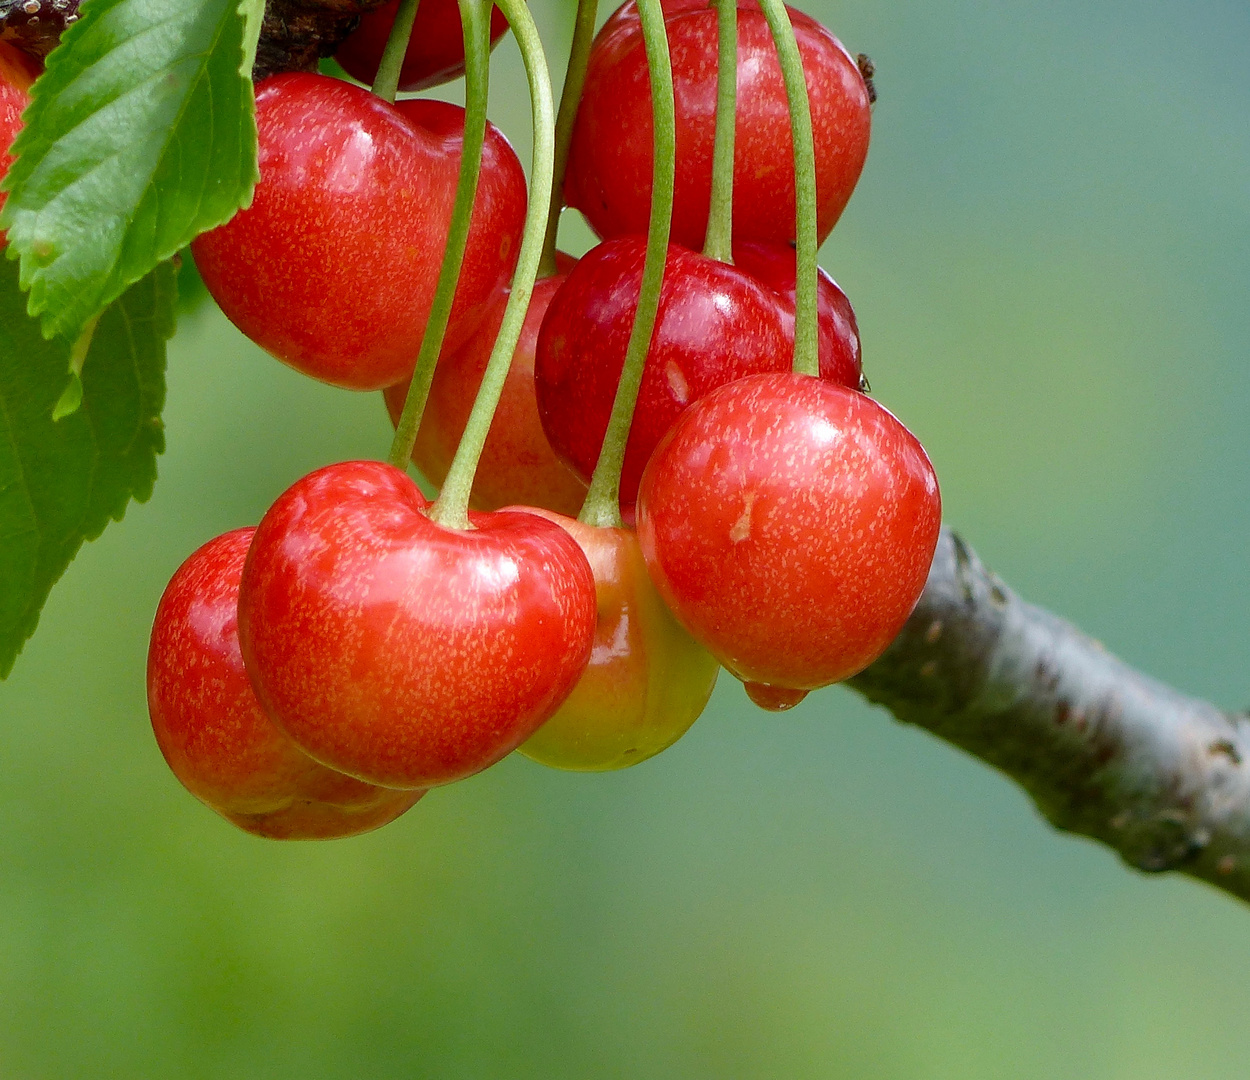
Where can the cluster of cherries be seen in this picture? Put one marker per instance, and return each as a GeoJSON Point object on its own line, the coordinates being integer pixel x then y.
{"type": "Point", "coordinates": [314, 676]}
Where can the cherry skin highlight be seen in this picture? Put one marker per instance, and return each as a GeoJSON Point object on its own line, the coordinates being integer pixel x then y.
{"type": "Point", "coordinates": [518, 466]}
{"type": "Point", "coordinates": [716, 323]}
{"type": "Point", "coordinates": [609, 171]}
{"type": "Point", "coordinates": [789, 523]}
{"type": "Point", "coordinates": [647, 680]}
{"type": "Point", "coordinates": [214, 734]}
{"type": "Point", "coordinates": [435, 51]}
{"type": "Point", "coordinates": [400, 651]}
{"type": "Point", "coordinates": [332, 269]}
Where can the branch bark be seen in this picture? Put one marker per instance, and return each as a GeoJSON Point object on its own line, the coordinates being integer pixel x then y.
{"type": "Point", "coordinates": [1103, 750]}
{"type": "Point", "coordinates": [295, 34]}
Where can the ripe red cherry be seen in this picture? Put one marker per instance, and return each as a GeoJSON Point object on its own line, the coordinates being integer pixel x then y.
{"type": "Point", "coordinates": [609, 170]}
{"type": "Point", "coordinates": [790, 524]}
{"type": "Point", "coordinates": [435, 50]}
{"type": "Point", "coordinates": [647, 680]}
{"type": "Point", "coordinates": [214, 734]}
{"type": "Point", "coordinates": [17, 73]}
{"type": "Point", "coordinates": [333, 267]}
{"type": "Point", "coordinates": [715, 323]}
{"type": "Point", "coordinates": [397, 650]}
{"type": "Point", "coordinates": [518, 466]}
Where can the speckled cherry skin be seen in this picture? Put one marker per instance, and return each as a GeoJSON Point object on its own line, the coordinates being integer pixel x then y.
{"type": "Point", "coordinates": [332, 268]}
{"type": "Point", "coordinates": [214, 734]}
{"type": "Point", "coordinates": [716, 323]}
{"type": "Point", "coordinates": [647, 680]}
{"type": "Point", "coordinates": [789, 523]}
{"type": "Point", "coordinates": [17, 73]}
{"type": "Point", "coordinates": [397, 650]}
{"type": "Point", "coordinates": [518, 466]}
{"type": "Point", "coordinates": [609, 171]}
{"type": "Point", "coordinates": [435, 51]}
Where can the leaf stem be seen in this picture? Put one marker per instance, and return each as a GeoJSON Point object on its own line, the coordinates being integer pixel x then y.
{"type": "Point", "coordinates": [451, 507]}
{"type": "Point", "coordinates": [602, 505]}
{"type": "Point", "coordinates": [477, 88]}
{"type": "Point", "coordinates": [718, 243]}
{"type": "Point", "coordinates": [570, 98]}
{"type": "Point", "coordinates": [806, 354]}
{"type": "Point", "coordinates": [386, 81]}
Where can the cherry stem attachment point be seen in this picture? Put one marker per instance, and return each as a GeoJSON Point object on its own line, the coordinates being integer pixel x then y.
{"type": "Point", "coordinates": [451, 509]}
{"type": "Point", "coordinates": [474, 15]}
{"type": "Point", "coordinates": [570, 98]}
{"type": "Point", "coordinates": [718, 243]}
{"type": "Point", "coordinates": [806, 350]}
{"type": "Point", "coordinates": [602, 506]}
{"type": "Point", "coordinates": [386, 81]}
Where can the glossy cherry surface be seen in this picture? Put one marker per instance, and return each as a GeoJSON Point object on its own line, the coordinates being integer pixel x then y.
{"type": "Point", "coordinates": [214, 734]}
{"type": "Point", "coordinates": [333, 267]}
{"type": "Point", "coordinates": [609, 172]}
{"type": "Point", "coordinates": [518, 466]}
{"type": "Point", "coordinates": [397, 650]}
{"type": "Point", "coordinates": [435, 51]}
{"type": "Point", "coordinates": [790, 524]}
{"type": "Point", "coordinates": [647, 680]}
{"type": "Point", "coordinates": [716, 323]}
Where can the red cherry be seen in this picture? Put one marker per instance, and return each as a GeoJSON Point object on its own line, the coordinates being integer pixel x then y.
{"type": "Point", "coordinates": [214, 734]}
{"type": "Point", "coordinates": [333, 267]}
{"type": "Point", "coordinates": [17, 73]}
{"type": "Point", "coordinates": [773, 698]}
{"type": "Point", "coordinates": [397, 650]}
{"type": "Point", "coordinates": [790, 524]}
{"type": "Point", "coordinates": [716, 323]}
{"type": "Point", "coordinates": [435, 50]}
{"type": "Point", "coordinates": [609, 170]}
{"type": "Point", "coordinates": [518, 466]}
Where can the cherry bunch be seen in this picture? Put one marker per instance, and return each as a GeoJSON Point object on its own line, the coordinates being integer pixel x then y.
{"type": "Point", "coordinates": [691, 389]}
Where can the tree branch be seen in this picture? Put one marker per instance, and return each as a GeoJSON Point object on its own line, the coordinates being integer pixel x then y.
{"type": "Point", "coordinates": [297, 33]}
{"type": "Point", "coordinates": [1103, 750]}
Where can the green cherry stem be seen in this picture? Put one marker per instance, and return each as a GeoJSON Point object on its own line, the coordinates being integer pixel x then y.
{"type": "Point", "coordinates": [602, 506]}
{"type": "Point", "coordinates": [474, 15]}
{"type": "Point", "coordinates": [720, 220]}
{"type": "Point", "coordinates": [452, 506]}
{"type": "Point", "coordinates": [806, 354]}
{"type": "Point", "coordinates": [386, 81]}
{"type": "Point", "coordinates": [570, 98]}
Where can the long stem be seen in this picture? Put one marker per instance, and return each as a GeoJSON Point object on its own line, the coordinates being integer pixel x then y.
{"type": "Point", "coordinates": [570, 98]}
{"type": "Point", "coordinates": [473, 14]}
{"type": "Point", "coordinates": [720, 220]}
{"type": "Point", "coordinates": [602, 505]}
{"type": "Point", "coordinates": [386, 81]}
{"type": "Point", "coordinates": [806, 355]}
{"type": "Point", "coordinates": [451, 508]}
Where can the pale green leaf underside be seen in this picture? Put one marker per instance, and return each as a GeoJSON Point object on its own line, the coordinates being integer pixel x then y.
{"type": "Point", "coordinates": [61, 481]}
{"type": "Point", "coordinates": [141, 135]}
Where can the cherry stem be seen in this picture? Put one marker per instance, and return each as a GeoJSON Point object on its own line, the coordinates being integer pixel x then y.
{"type": "Point", "coordinates": [602, 506]}
{"type": "Point", "coordinates": [570, 98]}
{"type": "Point", "coordinates": [451, 509]}
{"type": "Point", "coordinates": [806, 353]}
{"type": "Point", "coordinates": [473, 14]}
{"type": "Point", "coordinates": [718, 243]}
{"type": "Point", "coordinates": [386, 81]}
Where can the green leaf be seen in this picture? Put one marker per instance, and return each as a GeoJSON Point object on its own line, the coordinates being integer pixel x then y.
{"type": "Point", "coordinates": [62, 480]}
{"type": "Point", "coordinates": [141, 134]}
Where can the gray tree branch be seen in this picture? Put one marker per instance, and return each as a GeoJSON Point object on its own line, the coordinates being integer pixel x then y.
{"type": "Point", "coordinates": [1104, 750]}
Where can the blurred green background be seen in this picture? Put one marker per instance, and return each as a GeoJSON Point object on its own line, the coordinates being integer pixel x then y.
{"type": "Point", "coordinates": [1049, 255]}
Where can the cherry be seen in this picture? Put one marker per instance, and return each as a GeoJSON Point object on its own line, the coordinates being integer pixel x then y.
{"type": "Point", "coordinates": [789, 523]}
{"type": "Point", "coordinates": [214, 734]}
{"type": "Point", "coordinates": [773, 698]}
{"type": "Point", "coordinates": [716, 323]}
{"type": "Point", "coordinates": [333, 267]}
{"type": "Point", "coordinates": [647, 681]}
{"type": "Point", "coordinates": [517, 465]}
{"type": "Point", "coordinates": [17, 73]}
{"type": "Point", "coordinates": [435, 51]}
{"type": "Point", "coordinates": [609, 170]}
{"type": "Point", "coordinates": [398, 650]}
